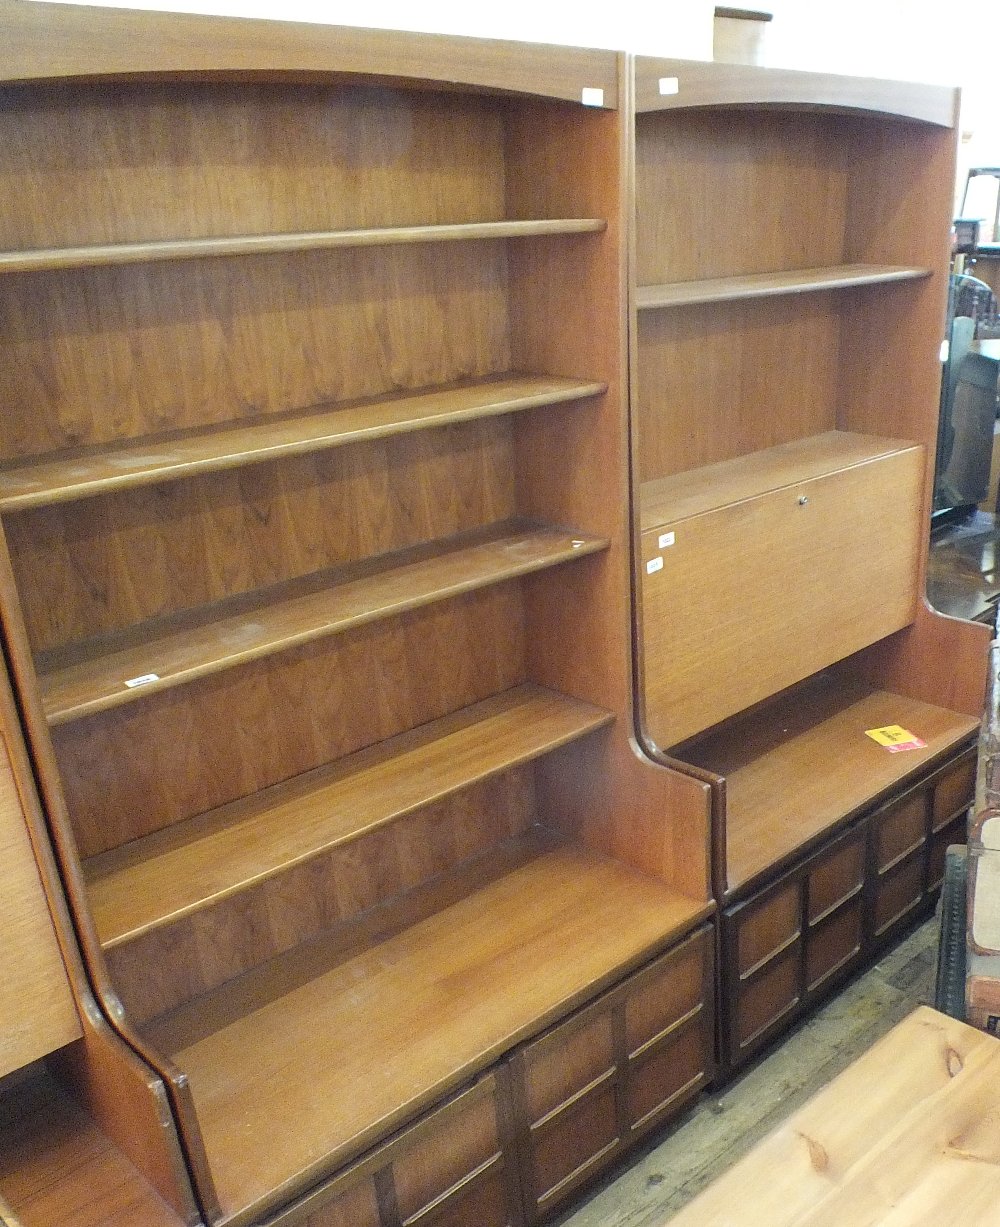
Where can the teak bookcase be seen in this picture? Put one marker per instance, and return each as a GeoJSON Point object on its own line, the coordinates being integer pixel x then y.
{"type": "Point", "coordinates": [315, 584]}
{"type": "Point", "coordinates": [788, 282]}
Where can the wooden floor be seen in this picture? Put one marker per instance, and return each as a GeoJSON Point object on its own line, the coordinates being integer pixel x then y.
{"type": "Point", "coordinates": [722, 1127]}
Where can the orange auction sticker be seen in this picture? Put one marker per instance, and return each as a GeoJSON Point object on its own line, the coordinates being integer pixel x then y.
{"type": "Point", "coordinates": [895, 738]}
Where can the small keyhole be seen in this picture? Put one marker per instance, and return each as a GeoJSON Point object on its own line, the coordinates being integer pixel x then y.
{"type": "Point", "coordinates": [803, 499]}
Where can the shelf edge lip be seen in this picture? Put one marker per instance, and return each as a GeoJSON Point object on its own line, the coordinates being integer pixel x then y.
{"type": "Point", "coordinates": [110, 699]}
{"type": "Point", "coordinates": [704, 84]}
{"type": "Point", "coordinates": [161, 250]}
{"type": "Point", "coordinates": [599, 718]}
{"type": "Point", "coordinates": [772, 285]}
{"type": "Point", "coordinates": [137, 477]}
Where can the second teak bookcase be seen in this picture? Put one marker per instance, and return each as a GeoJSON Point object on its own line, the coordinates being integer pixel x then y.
{"type": "Point", "coordinates": [788, 282]}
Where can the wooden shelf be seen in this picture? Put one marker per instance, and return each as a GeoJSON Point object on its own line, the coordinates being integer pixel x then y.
{"type": "Point", "coordinates": [797, 767]}
{"type": "Point", "coordinates": [396, 1016]}
{"type": "Point", "coordinates": [767, 285]}
{"type": "Point", "coordinates": [86, 678]}
{"type": "Point", "coordinates": [671, 499]}
{"type": "Point", "coordinates": [156, 880]}
{"type": "Point", "coordinates": [83, 473]}
{"type": "Point", "coordinates": [97, 256]}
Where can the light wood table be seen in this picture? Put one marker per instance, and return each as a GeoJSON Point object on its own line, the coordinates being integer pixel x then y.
{"type": "Point", "coordinates": [907, 1136]}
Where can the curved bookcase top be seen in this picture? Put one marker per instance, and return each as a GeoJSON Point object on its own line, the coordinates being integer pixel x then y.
{"type": "Point", "coordinates": [671, 84]}
{"type": "Point", "coordinates": [48, 42]}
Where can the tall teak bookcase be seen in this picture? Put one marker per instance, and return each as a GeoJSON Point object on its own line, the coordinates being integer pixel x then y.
{"type": "Point", "coordinates": [315, 586]}
{"type": "Point", "coordinates": [788, 286]}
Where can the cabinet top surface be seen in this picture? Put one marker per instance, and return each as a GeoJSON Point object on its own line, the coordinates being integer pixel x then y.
{"type": "Point", "coordinates": [662, 84]}
{"type": "Point", "coordinates": [45, 42]}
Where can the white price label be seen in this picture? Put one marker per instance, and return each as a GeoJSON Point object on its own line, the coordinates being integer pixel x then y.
{"type": "Point", "coordinates": [142, 680]}
{"type": "Point", "coordinates": [666, 540]}
{"type": "Point", "coordinates": [590, 96]}
{"type": "Point", "coordinates": [654, 565]}
{"type": "Point", "coordinates": [669, 85]}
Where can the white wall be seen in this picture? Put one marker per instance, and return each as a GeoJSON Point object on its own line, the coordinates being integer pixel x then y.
{"type": "Point", "coordinates": [670, 27]}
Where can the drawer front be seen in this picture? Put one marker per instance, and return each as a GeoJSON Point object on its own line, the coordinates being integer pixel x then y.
{"type": "Point", "coordinates": [954, 790]}
{"type": "Point", "coordinates": [586, 1088]}
{"type": "Point", "coordinates": [900, 829]}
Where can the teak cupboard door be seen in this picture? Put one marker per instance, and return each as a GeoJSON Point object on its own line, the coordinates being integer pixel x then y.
{"type": "Point", "coordinates": [818, 569]}
{"type": "Point", "coordinates": [589, 1087]}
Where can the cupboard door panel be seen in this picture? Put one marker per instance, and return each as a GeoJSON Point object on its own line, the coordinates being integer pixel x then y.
{"type": "Point", "coordinates": [833, 944]}
{"type": "Point", "coordinates": [668, 1072]}
{"type": "Point", "coordinates": [569, 1147]}
{"type": "Point", "coordinates": [357, 1207]}
{"type": "Point", "coordinates": [767, 927]}
{"type": "Point", "coordinates": [900, 829]}
{"type": "Point", "coordinates": [454, 1158]}
{"type": "Point", "coordinates": [448, 1169]}
{"type": "Point", "coordinates": [900, 891]}
{"type": "Point", "coordinates": [659, 997]}
{"type": "Point", "coordinates": [954, 790]}
{"type": "Point", "coordinates": [575, 1055]}
{"type": "Point", "coordinates": [608, 1074]}
{"type": "Point", "coordinates": [767, 998]}
{"type": "Point", "coordinates": [836, 877]}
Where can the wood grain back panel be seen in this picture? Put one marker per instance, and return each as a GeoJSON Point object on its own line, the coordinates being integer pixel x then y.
{"type": "Point", "coordinates": [718, 381]}
{"type": "Point", "coordinates": [744, 193]}
{"type": "Point", "coordinates": [65, 41]}
{"type": "Point", "coordinates": [102, 354]}
{"type": "Point", "coordinates": [101, 565]}
{"type": "Point", "coordinates": [169, 966]}
{"type": "Point", "coordinates": [189, 749]}
{"type": "Point", "coordinates": [701, 84]}
{"type": "Point", "coordinates": [579, 639]}
{"type": "Point", "coordinates": [92, 164]}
